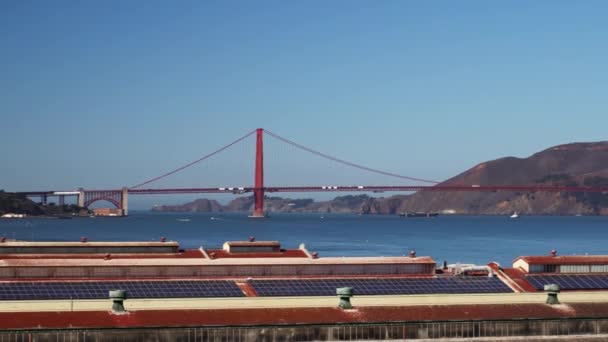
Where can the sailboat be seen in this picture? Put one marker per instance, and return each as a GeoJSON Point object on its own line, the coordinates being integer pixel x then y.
{"type": "Point", "coordinates": [514, 215]}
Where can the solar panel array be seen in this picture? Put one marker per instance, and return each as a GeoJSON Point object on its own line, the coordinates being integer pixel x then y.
{"type": "Point", "coordinates": [381, 286]}
{"type": "Point", "coordinates": [570, 281]}
{"type": "Point", "coordinates": [135, 289]}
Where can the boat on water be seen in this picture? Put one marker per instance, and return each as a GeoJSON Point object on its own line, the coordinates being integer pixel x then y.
{"type": "Point", "coordinates": [419, 214]}
{"type": "Point", "coordinates": [11, 215]}
{"type": "Point", "coordinates": [514, 215]}
{"type": "Point", "coordinates": [184, 220]}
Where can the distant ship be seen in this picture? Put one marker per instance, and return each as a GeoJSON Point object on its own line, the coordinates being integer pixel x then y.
{"type": "Point", "coordinates": [419, 214]}
{"type": "Point", "coordinates": [514, 215]}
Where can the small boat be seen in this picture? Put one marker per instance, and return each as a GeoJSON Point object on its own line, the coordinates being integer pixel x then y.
{"type": "Point", "coordinates": [183, 220]}
{"type": "Point", "coordinates": [514, 215]}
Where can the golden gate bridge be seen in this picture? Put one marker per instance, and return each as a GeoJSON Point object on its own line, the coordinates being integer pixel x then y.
{"type": "Point", "coordinates": [119, 197]}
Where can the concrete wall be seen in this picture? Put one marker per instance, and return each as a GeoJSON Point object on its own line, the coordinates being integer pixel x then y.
{"type": "Point", "coordinates": [521, 263]}
{"type": "Point", "coordinates": [568, 329]}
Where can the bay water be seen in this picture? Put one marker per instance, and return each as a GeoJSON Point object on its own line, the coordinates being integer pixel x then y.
{"type": "Point", "coordinates": [464, 239]}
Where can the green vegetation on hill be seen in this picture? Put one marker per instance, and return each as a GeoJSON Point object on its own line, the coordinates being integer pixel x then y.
{"type": "Point", "coordinates": [561, 179]}
{"type": "Point", "coordinates": [18, 204]}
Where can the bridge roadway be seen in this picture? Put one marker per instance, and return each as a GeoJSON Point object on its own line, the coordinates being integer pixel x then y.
{"type": "Point", "coordinates": [349, 188]}
{"type": "Point", "coordinates": [374, 188]}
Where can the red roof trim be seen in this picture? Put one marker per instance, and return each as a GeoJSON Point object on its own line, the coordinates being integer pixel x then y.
{"type": "Point", "coordinates": [565, 260]}
{"type": "Point", "coordinates": [290, 316]}
{"type": "Point", "coordinates": [190, 253]}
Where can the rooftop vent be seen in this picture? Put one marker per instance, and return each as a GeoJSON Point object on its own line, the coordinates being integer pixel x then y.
{"type": "Point", "coordinates": [118, 297]}
{"type": "Point", "coordinates": [552, 291]}
{"type": "Point", "coordinates": [344, 293]}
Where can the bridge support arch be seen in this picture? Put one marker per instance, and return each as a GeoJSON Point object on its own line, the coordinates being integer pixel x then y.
{"type": "Point", "coordinates": [119, 198]}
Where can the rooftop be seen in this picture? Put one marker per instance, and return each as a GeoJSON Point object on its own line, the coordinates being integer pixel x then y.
{"type": "Point", "coordinates": [565, 260]}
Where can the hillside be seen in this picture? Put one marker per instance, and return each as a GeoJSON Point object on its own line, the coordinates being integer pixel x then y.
{"type": "Point", "coordinates": [12, 203]}
{"type": "Point", "coordinates": [569, 165]}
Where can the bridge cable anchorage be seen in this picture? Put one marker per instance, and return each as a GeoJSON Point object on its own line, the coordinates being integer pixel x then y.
{"type": "Point", "coordinates": [361, 167]}
{"type": "Point", "coordinates": [195, 161]}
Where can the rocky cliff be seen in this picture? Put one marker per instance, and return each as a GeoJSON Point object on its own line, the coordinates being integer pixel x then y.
{"type": "Point", "coordinates": [199, 205]}
{"type": "Point", "coordinates": [341, 204]}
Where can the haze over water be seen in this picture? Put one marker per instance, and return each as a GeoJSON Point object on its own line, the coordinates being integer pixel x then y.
{"type": "Point", "coordinates": [465, 239]}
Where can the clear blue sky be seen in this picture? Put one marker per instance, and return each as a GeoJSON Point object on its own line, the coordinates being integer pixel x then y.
{"type": "Point", "coordinates": [109, 93]}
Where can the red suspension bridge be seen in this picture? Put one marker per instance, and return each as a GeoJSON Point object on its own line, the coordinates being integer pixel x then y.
{"type": "Point", "coordinates": [119, 197]}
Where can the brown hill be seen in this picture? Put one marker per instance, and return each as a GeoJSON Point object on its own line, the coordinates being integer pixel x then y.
{"type": "Point", "coordinates": [570, 164]}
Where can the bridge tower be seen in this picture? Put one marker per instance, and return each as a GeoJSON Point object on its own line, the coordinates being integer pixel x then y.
{"type": "Point", "coordinates": [124, 201]}
{"type": "Point", "coordinates": [80, 201]}
{"type": "Point", "coordinates": [258, 193]}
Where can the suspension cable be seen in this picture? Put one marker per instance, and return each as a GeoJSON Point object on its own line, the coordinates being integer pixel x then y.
{"type": "Point", "coordinates": [194, 162]}
{"type": "Point", "coordinates": [361, 167]}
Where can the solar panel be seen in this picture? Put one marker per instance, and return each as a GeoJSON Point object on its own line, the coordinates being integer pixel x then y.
{"type": "Point", "coordinates": [135, 289]}
{"type": "Point", "coordinates": [570, 281]}
{"type": "Point", "coordinates": [381, 286]}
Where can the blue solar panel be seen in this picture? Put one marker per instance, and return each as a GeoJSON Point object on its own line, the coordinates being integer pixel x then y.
{"type": "Point", "coordinates": [380, 286]}
{"type": "Point", "coordinates": [570, 281]}
{"type": "Point", "coordinates": [135, 289]}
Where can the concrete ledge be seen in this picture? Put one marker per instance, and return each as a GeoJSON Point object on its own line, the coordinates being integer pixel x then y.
{"type": "Point", "coordinates": [299, 302]}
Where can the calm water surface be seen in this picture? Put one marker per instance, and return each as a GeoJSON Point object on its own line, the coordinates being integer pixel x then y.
{"type": "Point", "coordinates": [467, 239]}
